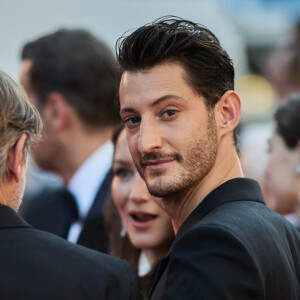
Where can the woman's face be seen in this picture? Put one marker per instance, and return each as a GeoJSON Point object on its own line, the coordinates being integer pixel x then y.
{"type": "Point", "coordinates": [147, 225]}
{"type": "Point", "coordinates": [281, 179]}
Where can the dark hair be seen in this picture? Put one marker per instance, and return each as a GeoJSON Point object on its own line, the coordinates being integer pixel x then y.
{"type": "Point", "coordinates": [287, 118]}
{"type": "Point", "coordinates": [209, 70]}
{"type": "Point", "coordinates": [80, 67]}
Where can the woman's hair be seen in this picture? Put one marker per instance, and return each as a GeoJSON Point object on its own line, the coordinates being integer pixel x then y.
{"type": "Point", "coordinates": [120, 246]}
{"type": "Point", "coordinates": [287, 118]}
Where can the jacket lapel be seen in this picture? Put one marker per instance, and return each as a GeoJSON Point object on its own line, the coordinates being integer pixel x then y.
{"type": "Point", "coordinates": [93, 234]}
{"type": "Point", "coordinates": [236, 189]}
{"type": "Point", "coordinates": [162, 266]}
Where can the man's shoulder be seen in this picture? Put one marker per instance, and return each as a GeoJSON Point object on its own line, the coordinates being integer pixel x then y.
{"type": "Point", "coordinates": [231, 246]}
{"type": "Point", "coordinates": [104, 271]}
{"type": "Point", "coordinates": [69, 253]}
{"type": "Point", "coordinates": [245, 216]}
{"type": "Point", "coordinates": [247, 220]}
{"type": "Point", "coordinates": [244, 227]}
{"type": "Point", "coordinates": [37, 252]}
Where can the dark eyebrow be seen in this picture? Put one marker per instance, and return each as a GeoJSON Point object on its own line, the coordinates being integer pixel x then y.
{"type": "Point", "coordinates": [166, 97]}
{"type": "Point", "coordinates": [126, 109]}
{"type": "Point", "coordinates": [156, 102]}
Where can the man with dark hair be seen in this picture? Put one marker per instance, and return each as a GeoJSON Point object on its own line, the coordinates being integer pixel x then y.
{"type": "Point", "coordinates": [71, 78]}
{"type": "Point", "coordinates": [180, 110]}
{"type": "Point", "coordinates": [35, 264]}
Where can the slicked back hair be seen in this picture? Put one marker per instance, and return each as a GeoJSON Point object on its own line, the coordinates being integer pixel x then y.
{"type": "Point", "coordinates": [208, 68]}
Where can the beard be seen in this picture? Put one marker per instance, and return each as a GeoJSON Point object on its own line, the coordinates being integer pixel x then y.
{"type": "Point", "coordinates": [195, 163]}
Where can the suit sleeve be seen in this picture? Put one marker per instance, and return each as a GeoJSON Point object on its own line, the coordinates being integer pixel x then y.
{"type": "Point", "coordinates": [133, 282]}
{"type": "Point", "coordinates": [210, 263]}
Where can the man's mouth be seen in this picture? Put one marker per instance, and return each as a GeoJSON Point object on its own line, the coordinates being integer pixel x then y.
{"type": "Point", "coordinates": [158, 160]}
{"type": "Point", "coordinates": [156, 164]}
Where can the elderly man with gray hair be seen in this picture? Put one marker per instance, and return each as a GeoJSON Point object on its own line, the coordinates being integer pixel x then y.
{"type": "Point", "coordinates": [36, 264]}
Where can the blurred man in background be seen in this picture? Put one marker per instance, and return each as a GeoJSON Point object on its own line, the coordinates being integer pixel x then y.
{"type": "Point", "coordinates": [70, 76]}
{"type": "Point", "coordinates": [35, 264]}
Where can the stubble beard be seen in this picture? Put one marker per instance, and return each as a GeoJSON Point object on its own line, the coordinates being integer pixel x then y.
{"type": "Point", "coordinates": [195, 164]}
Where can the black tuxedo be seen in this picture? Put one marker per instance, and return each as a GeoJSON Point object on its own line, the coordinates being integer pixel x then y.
{"type": "Point", "coordinates": [232, 247]}
{"type": "Point", "coordinates": [37, 265]}
{"type": "Point", "coordinates": [47, 211]}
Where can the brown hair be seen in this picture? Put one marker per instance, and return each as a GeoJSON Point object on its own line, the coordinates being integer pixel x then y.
{"type": "Point", "coordinates": [79, 66]}
{"type": "Point", "coordinates": [120, 246]}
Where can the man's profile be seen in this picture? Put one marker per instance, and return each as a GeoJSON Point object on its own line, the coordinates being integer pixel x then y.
{"type": "Point", "coordinates": [178, 102]}
{"type": "Point", "coordinates": [71, 77]}
{"type": "Point", "coordinates": [36, 264]}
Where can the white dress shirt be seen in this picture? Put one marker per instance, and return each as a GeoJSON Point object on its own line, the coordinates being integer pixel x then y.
{"type": "Point", "coordinates": [86, 182]}
{"type": "Point", "coordinates": [144, 266]}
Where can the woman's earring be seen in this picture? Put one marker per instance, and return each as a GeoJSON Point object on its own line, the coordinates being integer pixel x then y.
{"type": "Point", "coordinates": [298, 170]}
{"type": "Point", "coordinates": [123, 230]}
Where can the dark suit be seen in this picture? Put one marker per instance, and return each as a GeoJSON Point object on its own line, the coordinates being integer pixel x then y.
{"type": "Point", "coordinates": [232, 247]}
{"type": "Point", "coordinates": [47, 211]}
{"type": "Point", "coordinates": [36, 265]}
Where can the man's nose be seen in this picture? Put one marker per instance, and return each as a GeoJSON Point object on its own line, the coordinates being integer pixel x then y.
{"type": "Point", "coordinates": [149, 137]}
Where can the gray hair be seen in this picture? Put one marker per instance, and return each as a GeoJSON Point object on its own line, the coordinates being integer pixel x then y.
{"type": "Point", "coordinates": [17, 116]}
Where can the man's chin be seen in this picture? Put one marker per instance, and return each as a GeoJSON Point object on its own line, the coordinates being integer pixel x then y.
{"type": "Point", "coordinates": [160, 190]}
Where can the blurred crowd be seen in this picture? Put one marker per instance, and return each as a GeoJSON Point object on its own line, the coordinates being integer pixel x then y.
{"type": "Point", "coordinates": [277, 170]}
{"type": "Point", "coordinates": [100, 201]}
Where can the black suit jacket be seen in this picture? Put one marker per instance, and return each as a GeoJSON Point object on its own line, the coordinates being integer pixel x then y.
{"type": "Point", "coordinates": [232, 247]}
{"type": "Point", "coordinates": [47, 211]}
{"type": "Point", "coordinates": [37, 265]}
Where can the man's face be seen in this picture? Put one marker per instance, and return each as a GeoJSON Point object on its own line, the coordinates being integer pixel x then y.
{"type": "Point", "coordinates": [44, 151]}
{"type": "Point", "coordinates": [172, 135]}
{"type": "Point", "coordinates": [281, 179]}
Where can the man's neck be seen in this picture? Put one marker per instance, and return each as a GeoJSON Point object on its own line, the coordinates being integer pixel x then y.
{"type": "Point", "coordinates": [180, 206]}
{"type": "Point", "coordinates": [78, 148]}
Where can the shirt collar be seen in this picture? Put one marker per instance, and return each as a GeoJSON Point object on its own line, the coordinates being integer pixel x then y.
{"type": "Point", "coordinates": [85, 183]}
{"type": "Point", "coordinates": [144, 266]}
{"type": "Point", "coordinates": [237, 189]}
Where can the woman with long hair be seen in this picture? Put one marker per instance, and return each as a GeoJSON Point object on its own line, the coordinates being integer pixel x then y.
{"type": "Point", "coordinates": [140, 231]}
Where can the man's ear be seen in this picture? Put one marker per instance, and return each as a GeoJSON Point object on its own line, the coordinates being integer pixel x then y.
{"type": "Point", "coordinates": [56, 111]}
{"type": "Point", "coordinates": [15, 159]}
{"type": "Point", "coordinates": [228, 112]}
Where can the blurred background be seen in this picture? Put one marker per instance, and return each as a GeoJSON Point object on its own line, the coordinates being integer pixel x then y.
{"type": "Point", "coordinates": [261, 36]}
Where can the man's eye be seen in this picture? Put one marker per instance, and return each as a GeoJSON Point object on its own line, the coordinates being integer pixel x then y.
{"type": "Point", "coordinates": [132, 121]}
{"type": "Point", "coordinates": [169, 113]}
